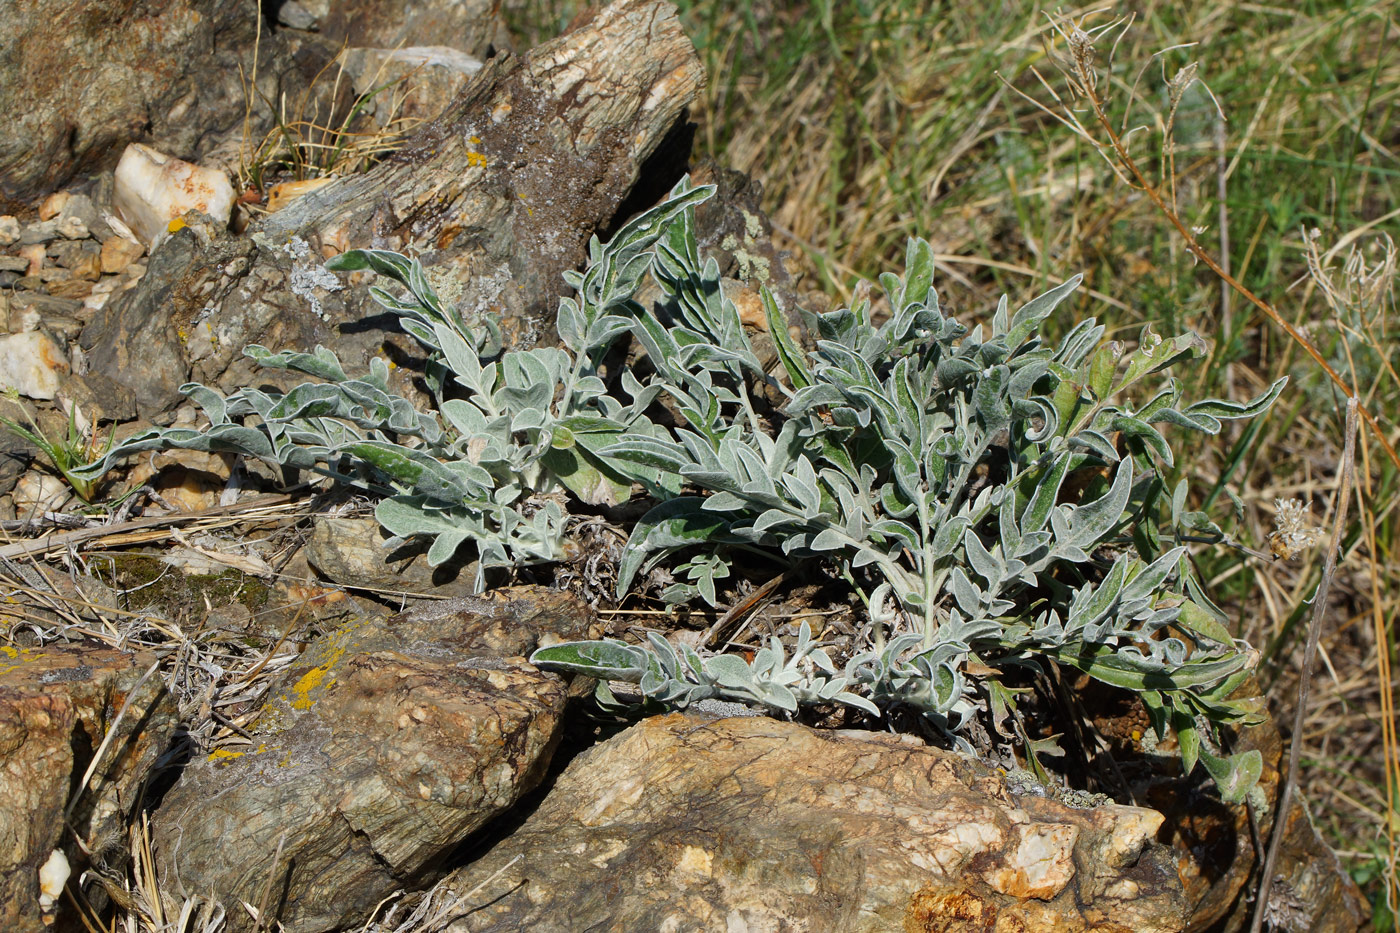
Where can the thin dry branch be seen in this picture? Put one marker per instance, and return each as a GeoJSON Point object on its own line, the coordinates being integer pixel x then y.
{"type": "Point", "coordinates": [1329, 570]}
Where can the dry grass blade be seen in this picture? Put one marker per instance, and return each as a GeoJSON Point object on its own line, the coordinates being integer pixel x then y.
{"type": "Point", "coordinates": [1081, 72]}
{"type": "Point", "coordinates": [438, 907]}
{"type": "Point", "coordinates": [53, 542]}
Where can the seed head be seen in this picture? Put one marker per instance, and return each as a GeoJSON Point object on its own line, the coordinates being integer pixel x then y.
{"type": "Point", "coordinates": [1293, 532]}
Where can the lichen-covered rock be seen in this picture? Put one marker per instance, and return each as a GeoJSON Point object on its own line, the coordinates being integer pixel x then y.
{"type": "Point", "coordinates": [682, 823]}
{"type": "Point", "coordinates": [57, 705]}
{"type": "Point", "coordinates": [79, 79]}
{"type": "Point", "coordinates": [380, 750]}
{"type": "Point", "coordinates": [497, 198]}
{"type": "Point", "coordinates": [351, 552]}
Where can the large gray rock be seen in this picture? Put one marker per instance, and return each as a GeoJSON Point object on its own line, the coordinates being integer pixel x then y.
{"type": "Point", "coordinates": [381, 749]}
{"type": "Point", "coordinates": [471, 26]}
{"type": "Point", "coordinates": [79, 79]}
{"type": "Point", "coordinates": [58, 703]}
{"type": "Point", "coordinates": [498, 198]}
{"type": "Point", "coordinates": [683, 824]}
{"type": "Point", "coordinates": [351, 552]}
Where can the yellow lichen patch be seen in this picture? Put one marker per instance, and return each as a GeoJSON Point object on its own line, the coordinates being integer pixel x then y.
{"type": "Point", "coordinates": [476, 160]}
{"type": "Point", "coordinates": [176, 225]}
{"type": "Point", "coordinates": [223, 754]}
{"type": "Point", "coordinates": [312, 680]}
{"type": "Point", "coordinates": [304, 693]}
{"type": "Point", "coordinates": [17, 655]}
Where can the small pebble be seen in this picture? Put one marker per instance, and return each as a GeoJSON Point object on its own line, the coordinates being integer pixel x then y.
{"type": "Point", "coordinates": [53, 205]}
{"type": "Point", "coordinates": [9, 229]}
{"type": "Point", "coordinates": [36, 254]}
{"type": "Point", "coordinates": [42, 232]}
{"type": "Point", "coordinates": [72, 227]}
{"type": "Point", "coordinates": [80, 209]}
{"type": "Point", "coordinates": [75, 288]}
{"type": "Point", "coordinates": [118, 252]}
{"type": "Point", "coordinates": [20, 319]}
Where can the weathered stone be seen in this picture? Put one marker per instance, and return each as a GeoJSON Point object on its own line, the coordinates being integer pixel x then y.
{"type": "Point", "coordinates": [38, 492]}
{"type": "Point", "coordinates": [350, 551]}
{"type": "Point", "coordinates": [682, 823]}
{"type": "Point", "coordinates": [118, 252]}
{"type": "Point", "coordinates": [50, 308]}
{"type": "Point", "coordinates": [35, 253]}
{"type": "Point", "coordinates": [79, 212]}
{"type": "Point", "coordinates": [422, 81]}
{"type": "Point", "coordinates": [41, 232]}
{"type": "Point", "coordinates": [9, 229]}
{"type": "Point", "coordinates": [30, 363]}
{"type": "Point", "coordinates": [295, 15]}
{"type": "Point", "coordinates": [469, 25]}
{"type": "Point", "coordinates": [73, 253]}
{"type": "Point", "coordinates": [385, 745]}
{"type": "Point", "coordinates": [57, 705]}
{"type": "Point", "coordinates": [189, 480]}
{"type": "Point", "coordinates": [79, 79]}
{"type": "Point", "coordinates": [498, 200]}
{"type": "Point", "coordinates": [51, 205]}
{"type": "Point", "coordinates": [154, 189]}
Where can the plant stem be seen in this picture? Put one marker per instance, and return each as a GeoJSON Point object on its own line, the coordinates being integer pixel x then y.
{"type": "Point", "coordinates": [1127, 161]}
{"type": "Point", "coordinates": [926, 560]}
{"type": "Point", "coordinates": [1329, 569]}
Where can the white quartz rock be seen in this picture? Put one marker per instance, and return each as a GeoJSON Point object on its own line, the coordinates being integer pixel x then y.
{"type": "Point", "coordinates": [29, 363]}
{"type": "Point", "coordinates": [53, 875]}
{"type": "Point", "coordinates": [152, 189]}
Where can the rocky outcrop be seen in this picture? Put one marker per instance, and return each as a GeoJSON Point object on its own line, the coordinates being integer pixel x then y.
{"type": "Point", "coordinates": [79, 79]}
{"type": "Point", "coordinates": [383, 748]}
{"type": "Point", "coordinates": [682, 823]}
{"type": "Point", "coordinates": [351, 552]}
{"type": "Point", "coordinates": [498, 199]}
{"type": "Point", "coordinates": [60, 705]}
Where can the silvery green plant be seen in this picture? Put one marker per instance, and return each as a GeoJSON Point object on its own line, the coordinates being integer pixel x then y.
{"type": "Point", "coordinates": [1003, 492]}
{"type": "Point", "coordinates": [510, 429]}
{"type": "Point", "coordinates": [997, 498]}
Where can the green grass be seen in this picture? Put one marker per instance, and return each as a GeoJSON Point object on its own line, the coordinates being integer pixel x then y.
{"type": "Point", "coordinates": [868, 123]}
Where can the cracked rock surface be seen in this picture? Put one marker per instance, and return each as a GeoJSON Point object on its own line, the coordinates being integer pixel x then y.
{"type": "Point", "coordinates": [684, 823]}
{"type": "Point", "coordinates": [379, 751]}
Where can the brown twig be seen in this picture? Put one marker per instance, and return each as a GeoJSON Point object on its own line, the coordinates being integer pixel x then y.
{"type": "Point", "coordinates": [49, 542]}
{"type": "Point", "coordinates": [1080, 72]}
{"type": "Point", "coordinates": [1129, 163]}
{"type": "Point", "coordinates": [1329, 569]}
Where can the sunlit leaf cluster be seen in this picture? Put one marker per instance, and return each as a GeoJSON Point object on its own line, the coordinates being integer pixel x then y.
{"type": "Point", "coordinates": [998, 498]}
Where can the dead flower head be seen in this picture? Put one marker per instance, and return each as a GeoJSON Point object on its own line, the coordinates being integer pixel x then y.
{"type": "Point", "coordinates": [1293, 531]}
